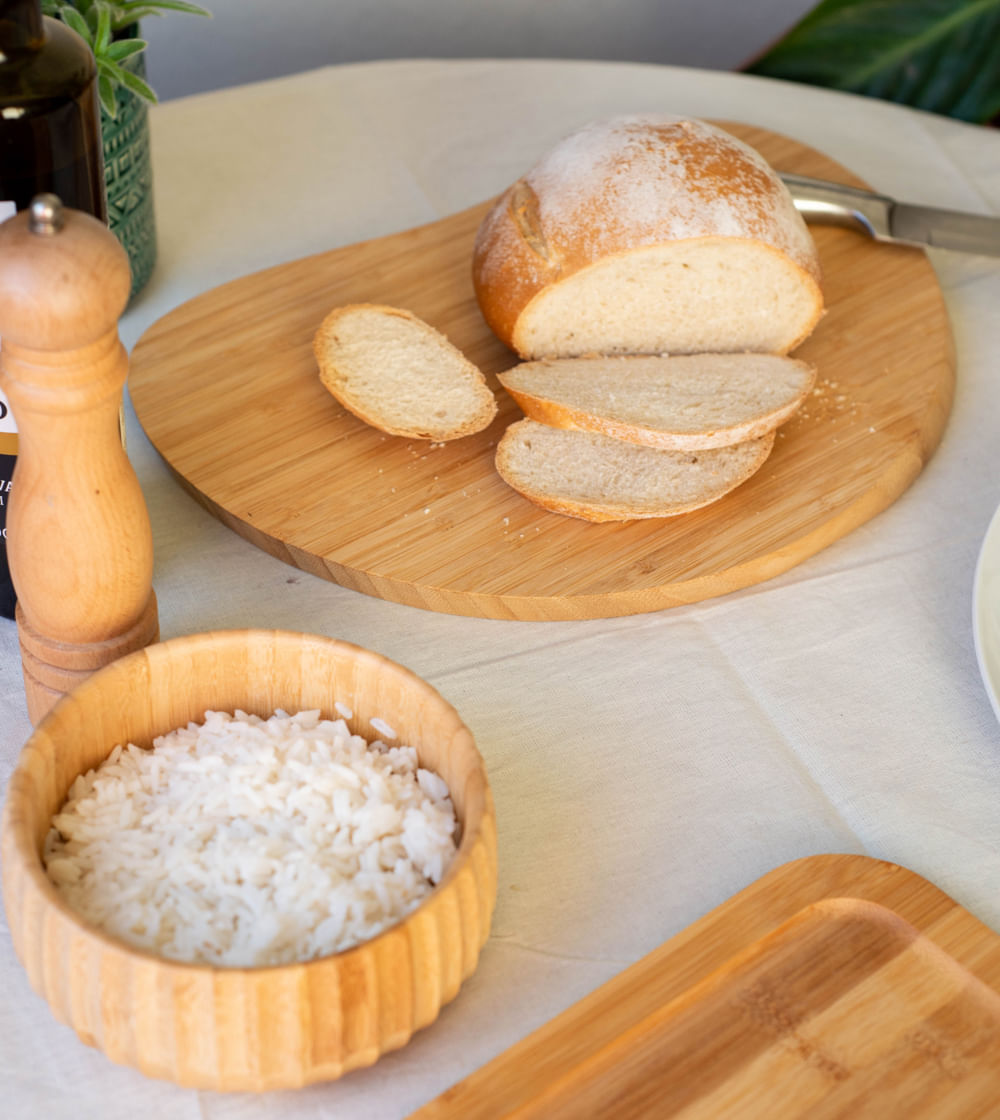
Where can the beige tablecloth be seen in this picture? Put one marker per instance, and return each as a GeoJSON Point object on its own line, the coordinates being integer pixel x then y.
{"type": "Point", "coordinates": [644, 768]}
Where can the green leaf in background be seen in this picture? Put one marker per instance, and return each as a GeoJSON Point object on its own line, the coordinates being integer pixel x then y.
{"type": "Point", "coordinates": [106, 92]}
{"type": "Point", "coordinates": [121, 49]}
{"type": "Point", "coordinates": [72, 18]}
{"type": "Point", "coordinates": [938, 55]}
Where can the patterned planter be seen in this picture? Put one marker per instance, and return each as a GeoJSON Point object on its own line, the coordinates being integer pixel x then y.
{"type": "Point", "coordinates": [128, 176]}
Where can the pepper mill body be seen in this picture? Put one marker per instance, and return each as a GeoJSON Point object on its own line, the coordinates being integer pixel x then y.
{"type": "Point", "coordinates": [78, 533]}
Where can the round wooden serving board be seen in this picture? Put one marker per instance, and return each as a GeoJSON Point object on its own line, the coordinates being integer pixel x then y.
{"type": "Point", "coordinates": [227, 389]}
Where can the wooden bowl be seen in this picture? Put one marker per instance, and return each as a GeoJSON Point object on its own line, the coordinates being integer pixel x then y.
{"type": "Point", "coordinates": [246, 1028]}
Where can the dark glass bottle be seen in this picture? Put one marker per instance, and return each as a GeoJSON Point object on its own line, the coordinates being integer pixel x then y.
{"type": "Point", "coordinates": [50, 140]}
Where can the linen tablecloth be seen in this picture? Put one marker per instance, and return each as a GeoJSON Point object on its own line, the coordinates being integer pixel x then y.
{"type": "Point", "coordinates": [644, 768]}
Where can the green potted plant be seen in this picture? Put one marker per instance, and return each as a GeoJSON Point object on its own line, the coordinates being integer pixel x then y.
{"type": "Point", "coordinates": [111, 28]}
{"type": "Point", "coordinates": [938, 55]}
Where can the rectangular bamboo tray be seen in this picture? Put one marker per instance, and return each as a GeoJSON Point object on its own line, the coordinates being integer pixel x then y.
{"type": "Point", "coordinates": [835, 986]}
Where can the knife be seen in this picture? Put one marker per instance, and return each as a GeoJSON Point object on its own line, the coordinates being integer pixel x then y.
{"type": "Point", "coordinates": [885, 219]}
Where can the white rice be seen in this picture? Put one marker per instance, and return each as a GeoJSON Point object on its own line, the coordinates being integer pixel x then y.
{"type": "Point", "coordinates": [383, 729]}
{"type": "Point", "coordinates": [242, 841]}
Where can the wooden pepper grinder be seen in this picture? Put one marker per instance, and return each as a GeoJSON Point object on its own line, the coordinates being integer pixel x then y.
{"type": "Point", "coordinates": [78, 535]}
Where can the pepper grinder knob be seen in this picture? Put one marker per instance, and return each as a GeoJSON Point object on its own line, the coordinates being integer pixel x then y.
{"type": "Point", "coordinates": [46, 214]}
{"type": "Point", "coordinates": [79, 542]}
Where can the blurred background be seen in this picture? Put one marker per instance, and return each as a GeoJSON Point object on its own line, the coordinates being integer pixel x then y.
{"type": "Point", "coordinates": [251, 40]}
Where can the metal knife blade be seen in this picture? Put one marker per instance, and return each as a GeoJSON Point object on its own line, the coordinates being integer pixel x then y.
{"type": "Point", "coordinates": [885, 219]}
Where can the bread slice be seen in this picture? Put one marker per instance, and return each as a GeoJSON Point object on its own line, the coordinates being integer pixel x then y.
{"type": "Point", "coordinates": [682, 403]}
{"type": "Point", "coordinates": [599, 478]}
{"type": "Point", "coordinates": [647, 234]}
{"type": "Point", "coordinates": [399, 374]}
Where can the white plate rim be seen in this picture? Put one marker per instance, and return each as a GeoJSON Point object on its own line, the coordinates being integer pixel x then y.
{"type": "Point", "coordinates": [986, 612]}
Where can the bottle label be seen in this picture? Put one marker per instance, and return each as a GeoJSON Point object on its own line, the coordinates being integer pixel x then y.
{"type": "Point", "coordinates": [6, 415]}
{"type": "Point", "coordinates": [8, 429]}
{"type": "Point", "coordinates": [8, 453]}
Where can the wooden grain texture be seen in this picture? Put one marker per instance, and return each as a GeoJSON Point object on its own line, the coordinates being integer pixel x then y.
{"type": "Point", "coordinates": [235, 1028]}
{"type": "Point", "coordinates": [78, 534]}
{"type": "Point", "coordinates": [834, 986]}
{"type": "Point", "coordinates": [227, 389]}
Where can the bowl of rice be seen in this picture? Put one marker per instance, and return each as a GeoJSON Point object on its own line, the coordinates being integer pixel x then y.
{"type": "Point", "coordinates": [249, 860]}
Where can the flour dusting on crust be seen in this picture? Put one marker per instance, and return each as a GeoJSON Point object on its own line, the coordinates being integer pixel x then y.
{"type": "Point", "coordinates": [656, 177]}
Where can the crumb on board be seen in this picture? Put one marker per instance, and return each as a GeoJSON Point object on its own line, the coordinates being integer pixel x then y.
{"type": "Point", "coordinates": [827, 401]}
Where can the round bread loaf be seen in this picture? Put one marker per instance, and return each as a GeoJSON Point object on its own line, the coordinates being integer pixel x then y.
{"type": "Point", "coordinates": [647, 235]}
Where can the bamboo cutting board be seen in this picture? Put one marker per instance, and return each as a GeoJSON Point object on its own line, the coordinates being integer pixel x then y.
{"type": "Point", "coordinates": [227, 390]}
{"type": "Point", "coordinates": [835, 986]}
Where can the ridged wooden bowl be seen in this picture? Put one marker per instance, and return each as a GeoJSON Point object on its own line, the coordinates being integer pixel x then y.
{"type": "Point", "coordinates": [237, 1028]}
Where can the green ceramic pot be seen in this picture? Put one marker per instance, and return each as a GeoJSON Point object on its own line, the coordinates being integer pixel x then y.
{"type": "Point", "coordinates": [128, 175]}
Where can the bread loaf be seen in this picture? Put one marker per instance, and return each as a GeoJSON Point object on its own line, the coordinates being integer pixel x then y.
{"type": "Point", "coordinates": [600, 478]}
{"type": "Point", "coordinates": [686, 402]}
{"type": "Point", "coordinates": [647, 235]}
{"type": "Point", "coordinates": [400, 375]}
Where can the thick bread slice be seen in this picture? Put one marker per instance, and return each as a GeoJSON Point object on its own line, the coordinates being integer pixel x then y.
{"type": "Point", "coordinates": [685, 402]}
{"type": "Point", "coordinates": [647, 235]}
{"type": "Point", "coordinates": [599, 478]}
{"type": "Point", "coordinates": [400, 375]}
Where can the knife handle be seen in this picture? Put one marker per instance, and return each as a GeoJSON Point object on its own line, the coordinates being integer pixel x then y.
{"type": "Point", "coordinates": [840, 205]}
